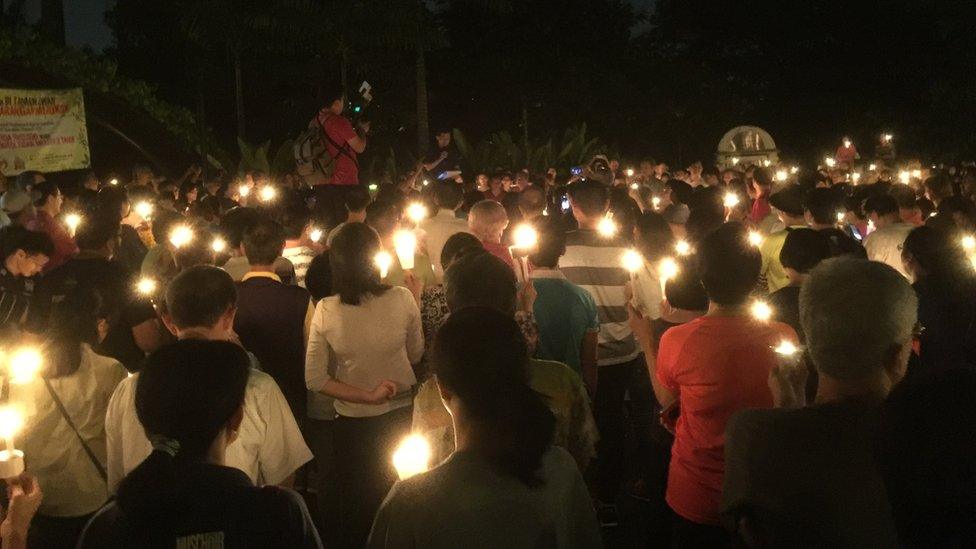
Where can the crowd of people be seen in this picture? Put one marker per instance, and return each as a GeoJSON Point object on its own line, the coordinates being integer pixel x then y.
{"type": "Point", "coordinates": [768, 356]}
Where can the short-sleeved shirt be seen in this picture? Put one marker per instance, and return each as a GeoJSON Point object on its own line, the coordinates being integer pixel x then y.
{"type": "Point", "coordinates": [772, 269]}
{"type": "Point", "coordinates": [269, 449]}
{"type": "Point", "coordinates": [564, 313]}
{"type": "Point", "coordinates": [716, 366]}
{"type": "Point", "coordinates": [300, 257]}
{"type": "Point", "coordinates": [340, 131]}
{"type": "Point", "coordinates": [885, 245]}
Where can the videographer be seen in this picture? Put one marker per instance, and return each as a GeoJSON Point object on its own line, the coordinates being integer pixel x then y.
{"type": "Point", "coordinates": [342, 143]}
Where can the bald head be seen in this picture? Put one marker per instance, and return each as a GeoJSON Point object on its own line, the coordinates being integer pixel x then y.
{"type": "Point", "coordinates": [487, 220]}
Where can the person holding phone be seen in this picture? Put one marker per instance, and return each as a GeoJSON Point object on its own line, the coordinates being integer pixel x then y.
{"type": "Point", "coordinates": [343, 144]}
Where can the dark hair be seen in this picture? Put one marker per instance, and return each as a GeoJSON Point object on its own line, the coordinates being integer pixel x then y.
{"type": "Point", "coordinates": [822, 205]}
{"type": "Point", "coordinates": [332, 92]}
{"type": "Point", "coordinates": [955, 204]}
{"type": "Point", "coordinates": [351, 256]}
{"type": "Point", "coordinates": [728, 265]}
{"type": "Point", "coordinates": [448, 195]}
{"type": "Point", "coordinates": [318, 277]}
{"type": "Point", "coordinates": [110, 201]}
{"type": "Point", "coordinates": [263, 242]}
{"type": "Point", "coordinates": [293, 221]}
{"type": "Point", "coordinates": [98, 231]}
{"type": "Point", "coordinates": [681, 192]}
{"type": "Point", "coordinates": [73, 321]}
{"type": "Point", "coordinates": [589, 196]}
{"type": "Point", "coordinates": [761, 177]}
{"type": "Point", "coordinates": [162, 222]}
{"type": "Point", "coordinates": [938, 185]}
{"type": "Point", "coordinates": [235, 222]}
{"type": "Point", "coordinates": [925, 454]}
{"type": "Point", "coordinates": [40, 192]}
{"type": "Point", "coordinates": [654, 237]}
{"type": "Point", "coordinates": [198, 296]}
{"type": "Point", "coordinates": [551, 246]}
{"type": "Point", "coordinates": [703, 221]}
{"type": "Point", "coordinates": [480, 356]}
{"type": "Point", "coordinates": [357, 198]}
{"type": "Point", "coordinates": [383, 217]}
{"type": "Point", "coordinates": [533, 198]}
{"type": "Point", "coordinates": [803, 249]}
{"type": "Point", "coordinates": [185, 395]}
{"type": "Point", "coordinates": [685, 291]}
{"type": "Point", "coordinates": [881, 204]}
{"type": "Point", "coordinates": [16, 237]}
{"type": "Point", "coordinates": [943, 261]}
{"type": "Point", "coordinates": [458, 244]}
{"type": "Point", "coordinates": [25, 180]}
{"type": "Point", "coordinates": [904, 196]}
{"type": "Point", "coordinates": [480, 280]}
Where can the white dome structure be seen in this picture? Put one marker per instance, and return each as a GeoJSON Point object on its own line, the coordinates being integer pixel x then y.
{"type": "Point", "coordinates": [745, 145]}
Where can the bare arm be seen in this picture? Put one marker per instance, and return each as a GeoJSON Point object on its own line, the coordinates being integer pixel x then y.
{"type": "Point", "coordinates": [645, 337]}
{"type": "Point", "coordinates": [348, 393]}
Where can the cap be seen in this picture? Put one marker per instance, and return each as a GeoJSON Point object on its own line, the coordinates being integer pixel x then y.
{"type": "Point", "coordinates": [14, 201]}
{"type": "Point", "coordinates": [788, 200]}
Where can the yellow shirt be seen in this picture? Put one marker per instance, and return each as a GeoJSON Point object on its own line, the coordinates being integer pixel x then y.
{"type": "Point", "coordinates": [772, 270]}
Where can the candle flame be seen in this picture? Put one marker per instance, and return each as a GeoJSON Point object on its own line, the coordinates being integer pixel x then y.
{"type": "Point", "coordinates": [525, 237]}
{"type": "Point", "coordinates": [786, 348]}
{"type": "Point", "coordinates": [607, 228]}
{"type": "Point", "coordinates": [412, 456]}
{"type": "Point", "coordinates": [731, 200]}
{"type": "Point", "coordinates": [383, 261]}
{"type": "Point", "coordinates": [667, 268]}
{"type": "Point", "coordinates": [24, 365]}
{"type": "Point", "coordinates": [761, 311]}
{"type": "Point", "coordinates": [146, 286]}
{"type": "Point", "coordinates": [416, 212]}
{"type": "Point", "coordinates": [218, 245]}
{"type": "Point", "coordinates": [632, 261]}
{"type": "Point", "coordinates": [180, 236]}
{"type": "Point", "coordinates": [144, 209]}
{"type": "Point", "coordinates": [755, 238]}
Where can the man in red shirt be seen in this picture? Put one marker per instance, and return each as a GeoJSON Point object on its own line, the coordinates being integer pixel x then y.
{"type": "Point", "coordinates": [713, 367]}
{"type": "Point", "coordinates": [343, 143]}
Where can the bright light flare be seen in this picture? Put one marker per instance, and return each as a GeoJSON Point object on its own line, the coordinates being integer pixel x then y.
{"type": "Point", "coordinates": [632, 260]}
{"type": "Point", "coordinates": [904, 177]}
{"type": "Point", "coordinates": [383, 261]}
{"type": "Point", "coordinates": [72, 220]}
{"type": "Point", "coordinates": [180, 236]}
{"type": "Point", "coordinates": [682, 247]}
{"type": "Point", "coordinates": [969, 243]}
{"type": "Point", "coordinates": [847, 143]}
{"type": "Point", "coordinates": [786, 348]}
{"type": "Point", "coordinates": [315, 235]}
{"type": "Point", "coordinates": [656, 202]}
{"type": "Point", "coordinates": [766, 163]}
{"type": "Point", "coordinates": [888, 137]}
{"type": "Point", "coordinates": [736, 160]}
{"type": "Point", "coordinates": [872, 167]}
{"type": "Point", "coordinates": [405, 244]}
{"type": "Point", "coordinates": [113, 181]}
{"type": "Point", "coordinates": [607, 228]}
{"type": "Point", "coordinates": [755, 238]}
{"type": "Point", "coordinates": [373, 187]}
{"type": "Point", "coordinates": [855, 177]}
{"type": "Point", "coordinates": [782, 175]}
{"type": "Point", "coordinates": [634, 186]}
{"type": "Point", "coordinates": [731, 200]}
{"type": "Point", "coordinates": [144, 208]}
{"type": "Point", "coordinates": [525, 237]}
{"type": "Point", "coordinates": [11, 421]}
{"type": "Point", "coordinates": [412, 456]}
{"type": "Point", "coordinates": [630, 172]}
{"type": "Point", "coordinates": [830, 162]}
{"type": "Point", "coordinates": [25, 364]}
{"type": "Point", "coordinates": [146, 286]}
{"type": "Point", "coordinates": [761, 311]}
{"type": "Point", "coordinates": [416, 212]}
{"type": "Point", "coordinates": [218, 245]}
{"type": "Point", "coordinates": [841, 216]}
{"type": "Point", "coordinates": [267, 193]}
{"type": "Point", "coordinates": [795, 170]}
{"type": "Point", "coordinates": [667, 269]}
{"type": "Point", "coordinates": [243, 191]}
{"type": "Point", "coordinates": [917, 174]}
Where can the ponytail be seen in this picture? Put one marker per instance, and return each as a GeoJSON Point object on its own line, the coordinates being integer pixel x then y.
{"type": "Point", "coordinates": [481, 356]}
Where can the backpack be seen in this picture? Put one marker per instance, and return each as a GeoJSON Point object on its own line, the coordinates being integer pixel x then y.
{"type": "Point", "coordinates": [311, 149]}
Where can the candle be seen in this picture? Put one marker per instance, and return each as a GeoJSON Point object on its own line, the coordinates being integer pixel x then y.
{"type": "Point", "coordinates": [607, 228]}
{"type": "Point", "coordinates": [524, 239]}
{"type": "Point", "coordinates": [268, 193]}
{"type": "Point", "coordinates": [830, 162]}
{"type": "Point", "coordinates": [735, 160]}
{"type": "Point", "coordinates": [72, 220]}
{"type": "Point", "coordinates": [761, 311]}
{"type": "Point", "coordinates": [315, 235]}
{"type": "Point", "coordinates": [917, 174]}
{"type": "Point", "coordinates": [634, 186]}
{"type": "Point", "coordinates": [383, 261]}
{"type": "Point", "coordinates": [412, 456]}
{"type": "Point", "coordinates": [405, 244]}
{"type": "Point", "coordinates": [794, 170]}
{"type": "Point", "coordinates": [656, 202]}
{"type": "Point", "coordinates": [630, 172]}
{"type": "Point", "coordinates": [373, 187]}
{"type": "Point", "coordinates": [144, 209]}
{"type": "Point", "coordinates": [841, 216]}
{"type": "Point", "coordinates": [113, 181]}
{"type": "Point", "coordinates": [682, 247]}
{"type": "Point", "coordinates": [872, 167]}
{"type": "Point", "coordinates": [855, 177]}
{"type": "Point", "coordinates": [969, 243]}
{"type": "Point", "coordinates": [755, 238]}
{"type": "Point", "coordinates": [731, 200]}
{"type": "Point", "coordinates": [24, 365]}
{"type": "Point", "coordinates": [146, 286]}
{"type": "Point", "coordinates": [218, 245]}
{"type": "Point", "coordinates": [781, 175]}
{"type": "Point", "coordinates": [180, 236]}
{"type": "Point", "coordinates": [11, 459]}
{"type": "Point", "coordinates": [416, 212]}
{"type": "Point", "coordinates": [666, 270]}
{"type": "Point", "coordinates": [847, 143]}
{"type": "Point", "coordinates": [766, 163]}
{"type": "Point", "coordinates": [786, 348]}
{"type": "Point", "coordinates": [244, 190]}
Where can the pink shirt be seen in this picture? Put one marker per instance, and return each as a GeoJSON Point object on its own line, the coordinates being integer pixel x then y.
{"type": "Point", "coordinates": [501, 252]}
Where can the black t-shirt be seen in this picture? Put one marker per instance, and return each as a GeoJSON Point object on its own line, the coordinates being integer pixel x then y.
{"type": "Point", "coordinates": [450, 164]}
{"type": "Point", "coordinates": [785, 303]}
{"type": "Point", "coordinates": [949, 318]}
{"type": "Point", "coordinates": [14, 300]}
{"type": "Point", "coordinates": [215, 506]}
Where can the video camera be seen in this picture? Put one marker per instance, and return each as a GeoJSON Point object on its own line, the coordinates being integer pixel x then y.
{"type": "Point", "coordinates": [358, 105]}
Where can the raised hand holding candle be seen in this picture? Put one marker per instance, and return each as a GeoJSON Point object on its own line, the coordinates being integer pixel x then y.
{"type": "Point", "coordinates": [524, 239]}
{"type": "Point", "coordinates": [11, 459]}
{"type": "Point", "coordinates": [383, 261]}
{"type": "Point", "coordinates": [72, 220]}
{"type": "Point", "coordinates": [405, 244]}
{"type": "Point", "coordinates": [180, 236]}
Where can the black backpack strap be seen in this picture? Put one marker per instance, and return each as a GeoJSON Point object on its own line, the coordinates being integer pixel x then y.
{"type": "Point", "coordinates": [67, 418]}
{"type": "Point", "coordinates": [341, 148]}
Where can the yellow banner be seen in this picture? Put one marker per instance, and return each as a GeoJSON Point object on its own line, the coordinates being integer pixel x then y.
{"type": "Point", "coordinates": [43, 130]}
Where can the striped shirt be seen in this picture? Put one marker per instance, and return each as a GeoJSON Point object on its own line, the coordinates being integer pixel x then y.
{"type": "Point", "coordinates": [301, 257]}
{"type": "Point", "coordinates": [593, 262]}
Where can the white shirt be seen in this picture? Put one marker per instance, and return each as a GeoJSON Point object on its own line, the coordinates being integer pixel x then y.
{"type": "Point", "coordinates": [362, 345]}
{"type": "Point", "coordinates": [70, 481]}
{"type": "Point", "coordinates": [268, 449]}
{"type": "Point", "coordinates": [646, 288]}
{"type": "Point", "coordinates": [885, 245]}
{"type": "Point", "coordinates": [238, 266]}
{"type": "Point", "coordinates": [439, 228]}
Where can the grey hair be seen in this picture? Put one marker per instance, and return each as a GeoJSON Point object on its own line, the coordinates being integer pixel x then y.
{"type": "Point", "coordinates": [487, 217]}
{"type": "Point", "coordinates": [853, 311]}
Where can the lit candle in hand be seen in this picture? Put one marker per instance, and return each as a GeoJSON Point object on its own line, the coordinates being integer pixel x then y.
{"type": "Point", "coordinates": [11, 459]}
{"type": "Point", "coordinates": [405, 244]}
{"type": "Point", "coordinates": [412, 456]}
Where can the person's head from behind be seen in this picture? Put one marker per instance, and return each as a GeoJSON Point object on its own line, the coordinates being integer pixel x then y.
{"type": "Point", "coordinates": [294, 220]}
{"type": "Point", "coordinates": [263, 243]}
{"type": "Point", "coordinates": [487, 220]}
{"type": "Point", "coordinates": [24, 252]}
{"type": "Point", "coordinates": [820, 206]}
{"type": "Point", "coordinates": [925, 452]}
{"type": "Point", "coordinates": [457, 245]}
{"type": "Point", "coordinates": [481, 362]}
{"type": "Point", "coordinates": [356, 200]}
{"type": "Point", "coordinates": [589, 201]}
{"type": "Point", "coordinates": [318, 278]}
{"type": "Point", "coordinates": [384, 218]}
{"type": "Point", "coordinates": [532, 201]}
{"type": "Point", "coordinates": [480, 280]}
{"type": "Point", "coordinates": [858, 317]}
{"type": "Point", "coordinates": [882, 210]}
{"type": "Point", "coordinates": [551, 246]}
{"type": "Point", "coordinates": [27, 179]}
{"type": "Point", "coordinates": [803, 250]}
{"type": "Point", "coordinates": [232, 226]}
{"type": "Point", "coordinates": [728, 265]}
{"type": "Point", "coordinates": [201, 302]}
{"type": "Point", "coordinates": [448, 196]}
{"type": "Point", "coordinates": [47, 197]}
{"type": "Point", "coordinates": [352, 259]}
{"type": "Point", "coordinates": [960, 210]}
{"type": "Point", "coordinates": [190, 401]}
{"type": "Point", "coordinates": [99, 234]}
{"type": "Point", "coordinates": [334, 97]}
{"type": "Point", "coordinates": [937, 188]}
{"type": "Point", "coordinates": [81, 318]}
{"type": "Point", "coordinates": [907, 203]}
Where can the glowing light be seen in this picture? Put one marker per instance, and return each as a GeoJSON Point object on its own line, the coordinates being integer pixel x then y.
{"type": "Point", "coordinates": [904, 176]}
{"type": "Point", "coordinates": [25, 363]}
{"type": "Point", "coordinates": [315, 235]}
{"type": "Point", "coordinates": [782, 175]}
{"type": "Point", "coordinates": [243, 191]}
{"type": "Point", "coordinates": [218, 245]}
{"type": "Point", "coordinates": [830, 162]}
{"type": "Point", "coordinates": [841, 216]}
{"type": "Point", "coordinates": [795, 170]}
{"type": "Point", "coordinates": [630, 172]}
{"type": "Point", "coordinates": [267, 193]}
{"type": "Point", "coordinates": [755, 238]}
{"type": "Point", "coordinates": [855, 177]}
{"type": "Point", "coordinates": [871, 226]}
{"type": "Point", "coordinates": [525, 237]}
{"type": "Point", "coordinates": [113, 181]}
{"type": "Point", "coordinates": [917, 174]}
{"type": "Point", "coordinates": [767, 163]}
{"type": "Point", "coordinates": [656, 202]}
{"type": "Point", "coordinates": [383, 261]}
{"type": "Point", "coordinates": [146, 286]}
{"type": "Point", "coordinates": [847, 143]}
{"type": "Point", "coordinates": [872, 167]}
{"type": "Point", "coordinates": [10, 422]}
{"type": "Point", "coordinates": [416, 212]}
{"type": "Point", "coordinates": [426, 182]}
{"type": "Point", "coordinates": [682, 247]}
{"type": "Point", "coordinates": [888, 137]}
{"type": "Point", "coordinates": [72, 221]}
{"type": "Point", "coordinates": [180, 236]}
{"type": "Point", "coordinates": [373, 187]}
{"type": "Point", "coordinates": [634, 186]}
{"type": "Point", "coordinates": [412, 456]}
{"type": "Point", "coordinates": [144, 209]}
{"type": "Point", "coordinates": [786, 348]}
{"type": "Point", "coordinates": [405, 244]}
{"type": "Point", "coordinates": [761, 311]}
{"type": "Point", "coordinates": [667, 269]}
{"type": "Point", "coordinates": [735, 160]}
{"type": "Point", "coordinates": [632, 261]}
{"type": "Point", "coordinates": [731, 200]}
{"type": "Point", "coordinates": [607, 228]}
{"type": "Point", "coordinates": [969, 243]}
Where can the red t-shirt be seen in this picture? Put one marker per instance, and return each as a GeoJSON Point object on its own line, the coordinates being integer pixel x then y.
{"type": "Point", "coordinates": [500, 251]}
{"type": "Point", "coordinates": [64, 244]}
{"type": "Point", "coordinates": [760, 209]}
{"type": "Point", "coordinates": [716, 366]}
{"type": "Point", "coordinates": [340, 130]}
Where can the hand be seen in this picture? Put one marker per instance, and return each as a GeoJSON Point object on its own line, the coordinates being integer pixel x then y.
{"type": "Point", "coordinates": [443, 155]}
{"type": "Point", "coordinates": [414, 284]}
{"type": "Point", "coordinates": [788, 381]}
{"type": "Point", "coordinates": [364, 126]}
{"type": "Point", "coordinates": [382, 393]}
{"type": "Point", "coordinates": [25, 498]}
{"type": "Point", "coordinates": [526, 297]}
{"type": "Point", "coordinates": [640, 326]}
